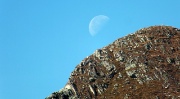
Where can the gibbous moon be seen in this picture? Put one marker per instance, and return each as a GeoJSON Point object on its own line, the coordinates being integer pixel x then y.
{"type": "Point", "coordinates": [97, 23]}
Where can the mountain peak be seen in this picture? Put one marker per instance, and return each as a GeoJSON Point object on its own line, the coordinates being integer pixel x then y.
{"type": "Point", "coordinates": [145, 64]}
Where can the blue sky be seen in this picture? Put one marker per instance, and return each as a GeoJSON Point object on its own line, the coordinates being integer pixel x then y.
{"type": "Point", "coordinates": [41, 41]}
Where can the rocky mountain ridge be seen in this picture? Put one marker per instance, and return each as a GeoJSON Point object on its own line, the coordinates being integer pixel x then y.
{"type": "Point", "coordinates": [142, 65]}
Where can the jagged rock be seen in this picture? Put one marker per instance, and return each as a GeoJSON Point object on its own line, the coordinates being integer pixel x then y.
{"type": "Point", "coordinates": [143, 65]}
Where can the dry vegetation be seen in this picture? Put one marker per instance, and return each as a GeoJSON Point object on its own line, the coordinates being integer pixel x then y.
{"type": "Point", "coordinates": [143, 65]}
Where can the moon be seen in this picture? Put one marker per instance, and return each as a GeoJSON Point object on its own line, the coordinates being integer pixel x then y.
{"type": "Point", "coordinates": [97, 23]}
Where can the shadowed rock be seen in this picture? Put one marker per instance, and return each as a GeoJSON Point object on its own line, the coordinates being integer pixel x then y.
{"type": "Point", "coordinates": [142, 65]}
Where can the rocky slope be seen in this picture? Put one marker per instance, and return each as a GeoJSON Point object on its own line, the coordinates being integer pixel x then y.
{"type": "Point", "coordinates": [142, 65]}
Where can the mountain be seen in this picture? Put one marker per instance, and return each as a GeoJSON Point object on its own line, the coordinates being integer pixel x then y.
{"type": "Point", "coordinates": [142, 65]}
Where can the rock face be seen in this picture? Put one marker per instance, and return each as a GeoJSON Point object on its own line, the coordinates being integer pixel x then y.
{"type": "Point", "coordinates": [142, 65]}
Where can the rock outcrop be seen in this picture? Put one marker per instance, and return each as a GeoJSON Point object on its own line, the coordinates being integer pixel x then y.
{"type": "Point", "coordinates": [142, 65]}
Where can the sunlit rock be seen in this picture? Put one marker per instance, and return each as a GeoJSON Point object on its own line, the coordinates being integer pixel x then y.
{"type": "Point", "coordinates": [141, 65]}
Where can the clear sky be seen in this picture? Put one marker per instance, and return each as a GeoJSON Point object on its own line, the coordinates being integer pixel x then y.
{"type": "Point", "coordinates": [41, 41]}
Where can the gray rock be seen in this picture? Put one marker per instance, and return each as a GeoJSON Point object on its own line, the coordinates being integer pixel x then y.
{"type": "Point", "coordinates": [108, 66]}
{"type": "Point", "coordinates": [142, 65]}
